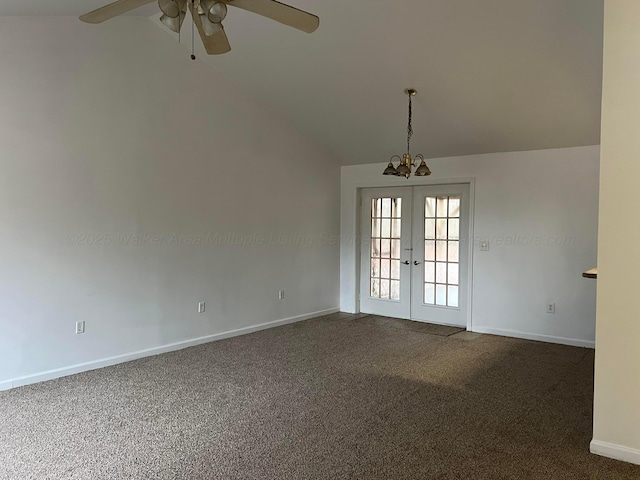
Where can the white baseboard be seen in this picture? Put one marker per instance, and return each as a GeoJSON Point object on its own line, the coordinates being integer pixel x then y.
{"type": "Point", "coordinates": [127, 357]}
{"type": "Point", "coordinates": [534, 336]}
{"type": "Point", "coordinates": [617, 452]}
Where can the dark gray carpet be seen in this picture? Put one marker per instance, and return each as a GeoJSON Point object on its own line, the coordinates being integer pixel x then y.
{"type": "Point", "coordinates": [329, 398]}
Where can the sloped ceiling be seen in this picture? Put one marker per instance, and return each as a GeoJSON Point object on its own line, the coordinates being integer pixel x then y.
{"type": "Point", "coordinates": [492, 75]}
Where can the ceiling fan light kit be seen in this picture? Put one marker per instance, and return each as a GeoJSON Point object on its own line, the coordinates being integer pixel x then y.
{"type": "Point", "coordinates": [208, 15]}
{"type": "Point", "coordinates": [405, 167]}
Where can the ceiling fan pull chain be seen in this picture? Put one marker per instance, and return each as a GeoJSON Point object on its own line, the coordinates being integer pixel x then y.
{"type": "Point", "coordinates": [193, 27]}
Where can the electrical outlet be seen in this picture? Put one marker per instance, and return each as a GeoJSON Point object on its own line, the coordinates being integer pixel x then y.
{"type": "Point", "coordinates": [485, 246]}
{"type": "Point", "coordinates": [551, 308]}
{"type": "Point", "coordinates": [281, 295]}
{"type": "Point", "coordinates": [201, 307]}
{"type": "Point", "coordinates": [79, 328]}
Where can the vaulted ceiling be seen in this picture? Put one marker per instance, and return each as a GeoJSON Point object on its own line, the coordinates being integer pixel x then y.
{"type": "Point", "coordinates": [492, 75]}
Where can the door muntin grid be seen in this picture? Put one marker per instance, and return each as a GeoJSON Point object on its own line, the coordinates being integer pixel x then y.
{"type": "Point", "coordinates": [442, 251]}
{"type": "Point", "coordinates": [386, 213]}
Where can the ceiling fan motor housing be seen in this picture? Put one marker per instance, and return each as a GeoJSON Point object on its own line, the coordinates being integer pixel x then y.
{"type": "Point", "coordinates": [208, 16]}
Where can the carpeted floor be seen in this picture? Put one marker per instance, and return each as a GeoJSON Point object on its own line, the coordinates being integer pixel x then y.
{"type": "Point", "coordinates": [338, 397]}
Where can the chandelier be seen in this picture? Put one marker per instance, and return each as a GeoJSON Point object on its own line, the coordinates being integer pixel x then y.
{"type": "Point", "coordinates": [406, 161]}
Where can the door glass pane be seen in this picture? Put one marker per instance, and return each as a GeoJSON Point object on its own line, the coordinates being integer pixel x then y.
{"type": "Point", "coordinates": [375, 268]}
{"type": "Point", "coordinates": [429, 250]}
{"type": "Point", "coordinates": [395, 290]}
{"type": "Point", "coordinates": [385, 268]}
{"type": "Point", "coordinates": [454, 207]}
{"type": "Point", "coordinates": [386, 208]}
{"type": "Point", "coordinates": [396, 207]}
{"type": "Point", "coordinates": [375, 287]}
{"type": "Point", "coordinates": [441, 272]}
{"type": "Point", "coordinates": [429, 272]}
{"type": "Point", "coordinates": [430, 207]}
{"type": "Point", "coordinates": [452, 297]}
{"type": "Point", "coordinates": [375, 227]}
{"type": "Point", "coordinates": [454, 251]}
{"type": "Point", "coordinates": [442, 251]}
{"type": "Point", "coordinates": [386, 228]}
{"type": "Point", "coordinates": [430, 293]}
{"type": "Point", "coordinates": [385, 248]}
{"type": "Point", "coordinates": [375, 247]}
{"type": "Point", "coordinates": [395, 249]}
{"type": "Point", "coordinates": [430, 229]}
{"type": "Point", "coordinates": [395, 269]}
{"type": "Point", "coordinates": [454, 229]}
{"type": "Point", "coordinates": [441, 228]}
{"type": "Point", "coordinates": [454, 273]}
{"type": "Point", "coordinates": [443, 209]}
{"type": "Point", "coordinates": [384, 288]}
{"type": "Point", "coordinates": [441, 295]}
{"type": "Point", "coordinates": [396, 229]}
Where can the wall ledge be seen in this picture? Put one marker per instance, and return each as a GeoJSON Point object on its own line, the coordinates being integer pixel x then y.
{"type": "Point", "coordinates": [127, 357]}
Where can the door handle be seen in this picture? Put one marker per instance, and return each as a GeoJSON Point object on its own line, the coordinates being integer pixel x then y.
{"type": "Point", "coordinates": [416, 262]}
{"type": "Point", "coordinates": [406, 262]}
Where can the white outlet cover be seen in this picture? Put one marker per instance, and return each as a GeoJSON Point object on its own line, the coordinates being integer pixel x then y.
{"type": "Point", "coordinates": [201, 307]}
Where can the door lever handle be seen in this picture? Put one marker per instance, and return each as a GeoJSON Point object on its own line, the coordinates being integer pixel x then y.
{"type": "Point", "coordinates": [416, 262]}
{"type": "Point", "coordinates": [406, 262]}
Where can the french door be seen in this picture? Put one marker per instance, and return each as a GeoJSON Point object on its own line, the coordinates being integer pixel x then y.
{"type": "Point", "coordinates": [415, 253]}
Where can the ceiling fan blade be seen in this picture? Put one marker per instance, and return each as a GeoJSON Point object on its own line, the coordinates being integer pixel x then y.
{"type": "Point", "coordinates": [215, 44]}
{"type": "Point", "coordinates": [113, 10]}
{"type": "Point", "coordinates": [280, 13]}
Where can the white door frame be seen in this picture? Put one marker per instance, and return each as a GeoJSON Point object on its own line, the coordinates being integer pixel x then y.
{"type": "Point", "coordinates": [350, 234]}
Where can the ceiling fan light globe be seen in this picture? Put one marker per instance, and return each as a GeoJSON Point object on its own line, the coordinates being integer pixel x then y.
{"type": "Point", "coordinates": [218, 12]}
{"type": "Point", "coordinates": [170, 8]}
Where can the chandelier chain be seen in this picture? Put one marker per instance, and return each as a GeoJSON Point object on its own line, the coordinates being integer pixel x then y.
{"type": "Point", "coordinates": [409, 126]}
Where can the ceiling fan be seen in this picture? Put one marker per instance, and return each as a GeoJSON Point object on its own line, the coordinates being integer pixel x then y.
{"type": "Point", "coordinates": [208, 16]}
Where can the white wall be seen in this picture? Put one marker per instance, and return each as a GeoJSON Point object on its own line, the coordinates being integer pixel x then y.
{"type": "Point", "coordinates": [616, 431]}
{"type": "Point", "coordinates": [110, 135]}
{"type": "Point", "coordinates": [539, 210]}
